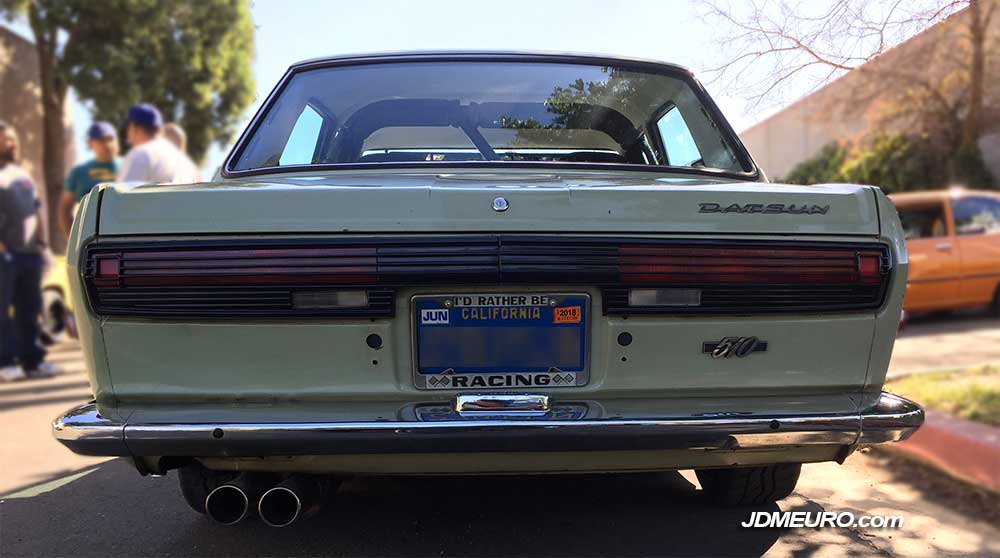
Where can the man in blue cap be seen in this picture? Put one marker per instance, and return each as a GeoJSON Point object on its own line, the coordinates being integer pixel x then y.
{"type": "Point", "coordinates": [102, 139]}
{"type": "Point", "coordinates": [152, 158]}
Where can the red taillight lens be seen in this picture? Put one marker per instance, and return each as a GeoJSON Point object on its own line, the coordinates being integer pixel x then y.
{"type": "Point", "coordinates": [252, 267]}
{"type": "Point", "coordinates": [870, 267]}
{"type": "Point", "coordinates": [699, 265]}
{"type": "Point", "coordinates": [107, 270]}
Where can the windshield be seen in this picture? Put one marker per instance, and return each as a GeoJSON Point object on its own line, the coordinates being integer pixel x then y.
{"type": "Point", "coordinates": [419, 112]}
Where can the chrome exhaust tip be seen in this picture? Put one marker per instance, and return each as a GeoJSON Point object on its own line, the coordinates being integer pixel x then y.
{"type": "Point", "coordinates": [279, 507]}
{"type": "Point", "coordinates": [297, 497]}
{"type": "Point", "coordinates": [232, 502]}
{"type": "Point", "coordinates": [227, 504]}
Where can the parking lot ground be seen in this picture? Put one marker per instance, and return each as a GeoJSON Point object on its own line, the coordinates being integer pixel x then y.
{"type": "Point", "coordinates": [946, 341]}
{"type": "Point", "coordinates": [111, 511]}
{"type": "Point", "coordinates": [59, 504]}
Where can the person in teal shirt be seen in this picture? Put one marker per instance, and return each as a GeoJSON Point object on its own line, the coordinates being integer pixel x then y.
{"type": "Point", "coordinates": [102, 139]}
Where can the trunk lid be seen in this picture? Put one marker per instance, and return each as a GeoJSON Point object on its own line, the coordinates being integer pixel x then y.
{"type": "Point", "coordinates": [407, 201]}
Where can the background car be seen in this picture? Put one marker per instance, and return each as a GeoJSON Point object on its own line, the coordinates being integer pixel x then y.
{"type": "Point", "coordinates": [57, 306]}
{"type": "Point", "coordinates": [953, 239]}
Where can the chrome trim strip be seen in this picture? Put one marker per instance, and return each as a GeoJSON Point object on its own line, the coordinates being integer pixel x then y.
{"type": "Point", "coordinates": [892, 418]}
{"type": "Point", "coordinates": [502, 404]}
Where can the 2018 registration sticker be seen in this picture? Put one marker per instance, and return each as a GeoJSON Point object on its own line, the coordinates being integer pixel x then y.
{"type": "Point", "coordinates": [567, 315]}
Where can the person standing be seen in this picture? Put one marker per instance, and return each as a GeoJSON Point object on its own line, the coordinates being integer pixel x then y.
{"type": "Point", "coordinates": [152, 158]}
{"type": "Point", "coordinates": [102, 139]}
{"type": "Point", "coordinates": [21, 263]}
{"type": "Point", "coordinates": [177, 136]}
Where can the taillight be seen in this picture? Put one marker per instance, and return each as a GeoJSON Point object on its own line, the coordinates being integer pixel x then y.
{"type": "Point", "coordinates": [107, 270]}
{"type": "Point", "coordinates": [727, 279]}
{"type": "Point", "coordinates": [360, 276]}
{"type": "Point", "coordinates": [687, 265]}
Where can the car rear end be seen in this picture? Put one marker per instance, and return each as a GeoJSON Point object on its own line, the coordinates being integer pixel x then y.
{"type": "Point", "coordinates": [630, 341]}
{"type": "Point", "coordinates": [580, 282]}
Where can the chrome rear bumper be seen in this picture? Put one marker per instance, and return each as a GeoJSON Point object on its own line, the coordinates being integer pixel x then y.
{"type": "Point", "coordinates": [84, 431]}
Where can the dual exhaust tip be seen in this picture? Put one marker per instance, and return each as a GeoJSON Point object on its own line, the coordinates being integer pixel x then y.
{"type": "Point", "coordinates": [280, 505]}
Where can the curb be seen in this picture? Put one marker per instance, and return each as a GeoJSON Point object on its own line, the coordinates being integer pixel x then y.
{"type": "Point", "coordinates": [962, 448]}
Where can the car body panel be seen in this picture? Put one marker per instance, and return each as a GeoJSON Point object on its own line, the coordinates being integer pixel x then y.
{"type": "Point", "coordinates": [394, 201]}
{"type": "Point", "coordinates": [243, 361]}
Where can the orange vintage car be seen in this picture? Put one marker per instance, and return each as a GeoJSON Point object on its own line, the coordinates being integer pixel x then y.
{"type": "Point", "coordinates": [953, 238]}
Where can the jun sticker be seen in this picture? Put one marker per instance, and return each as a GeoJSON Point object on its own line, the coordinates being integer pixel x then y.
{"type": "Point", "coordinates": [434, 316]}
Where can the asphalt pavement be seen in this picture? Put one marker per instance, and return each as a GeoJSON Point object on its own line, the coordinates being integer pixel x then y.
{"type": "Point", "coordinates": [946, 341]}
{"type": "Point", "coordinates": [59, 504]}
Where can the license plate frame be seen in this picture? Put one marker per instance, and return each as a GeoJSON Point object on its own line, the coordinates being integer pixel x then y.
{"type": "Point", "coordinates": [574, 376]}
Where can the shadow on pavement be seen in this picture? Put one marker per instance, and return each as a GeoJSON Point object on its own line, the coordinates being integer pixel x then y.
{"type": "Point", "coordinates": [35, 387]}
{"type": "Point", "coordinates": [114, 512]}
{"type": "Point", "coordinates": [19, 403]}
{"type": "Point", "coordinates": [44, 478]}
{"type": "Point", "coordinates": [939, 323]}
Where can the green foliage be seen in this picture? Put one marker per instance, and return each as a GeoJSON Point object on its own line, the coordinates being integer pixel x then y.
{"type": "Point", "coordinates": [895, 163]}
{"type": "Point", "coordinates": [972, 394]}
{"type": "Point", "coordinates": [190, 58]}
{"type": "Point", "coordinates": [822, 168]}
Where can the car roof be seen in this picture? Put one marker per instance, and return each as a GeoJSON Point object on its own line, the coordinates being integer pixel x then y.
{"type": "Point", "coordinates": [442, 55]}
{"type": "Point", "coordinates": [937, 195]}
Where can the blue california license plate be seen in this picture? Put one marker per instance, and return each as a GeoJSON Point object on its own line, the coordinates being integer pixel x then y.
{"type": "Point", "coordinates": [500, 340]}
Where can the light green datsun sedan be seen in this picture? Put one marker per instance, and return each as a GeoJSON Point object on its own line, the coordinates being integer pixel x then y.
{"type": "Point", "coordinates": [483, 263]}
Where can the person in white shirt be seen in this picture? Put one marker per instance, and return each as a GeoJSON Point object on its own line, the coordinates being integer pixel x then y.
{"type": "Point", "coordinates": [152, 158]}
{"type": "Point", "coordinates": [177, 136]}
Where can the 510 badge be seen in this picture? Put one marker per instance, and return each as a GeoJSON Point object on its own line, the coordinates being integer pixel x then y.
{"type": "Point", "coordinates": [738, 347]}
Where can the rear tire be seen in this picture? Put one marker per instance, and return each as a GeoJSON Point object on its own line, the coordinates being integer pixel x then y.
{"type": "Point", "coordinates": [196, 482]}
{"type": "Point", "coordinates": [749, 486]}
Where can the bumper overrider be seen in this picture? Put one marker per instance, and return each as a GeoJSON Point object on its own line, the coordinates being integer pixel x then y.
{"type": "Point", "coordinates": [84, 431]}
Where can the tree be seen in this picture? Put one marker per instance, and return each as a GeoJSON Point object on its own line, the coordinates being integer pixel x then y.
{"type": "Point", "coordinates": [822, 168]}
{"type": "Point", "coordinates": [781, 43]}
{"type": "Point", "coordinates": [894, 162]}
{"type": "Point", "coordinates": [190, 58]}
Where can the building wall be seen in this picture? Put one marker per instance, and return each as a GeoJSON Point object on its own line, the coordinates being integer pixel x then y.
{"type": "Point", "coordinates": [845, 110]}
{"type": "Point", "coordinates": [20, 101]}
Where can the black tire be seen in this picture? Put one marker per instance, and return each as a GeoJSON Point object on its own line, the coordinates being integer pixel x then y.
{"type": "Point", "coordinates": [995, 306]}
{"type": "Point", "coordinates": [52, 320]}
{"type": "Point", "coordinates": [749, 486]}
{"type": "Point", "coordinates": [196, 482]}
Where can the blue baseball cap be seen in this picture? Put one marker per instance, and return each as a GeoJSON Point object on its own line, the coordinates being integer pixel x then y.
{"type": "Point", "coordinates": [145, 115]}
{"type": "Point", "coordinates": [101, 130]}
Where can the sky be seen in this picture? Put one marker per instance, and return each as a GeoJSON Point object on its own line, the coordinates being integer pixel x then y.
{"type": "Point", "coordinates": [292, 30]}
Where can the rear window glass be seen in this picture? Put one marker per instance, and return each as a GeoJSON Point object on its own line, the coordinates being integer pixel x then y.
{"type": "Point", "coordinates": [430, 111]}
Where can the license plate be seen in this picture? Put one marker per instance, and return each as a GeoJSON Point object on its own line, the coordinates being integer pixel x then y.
{"type": "Point", "coordinates": [500, 340]}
